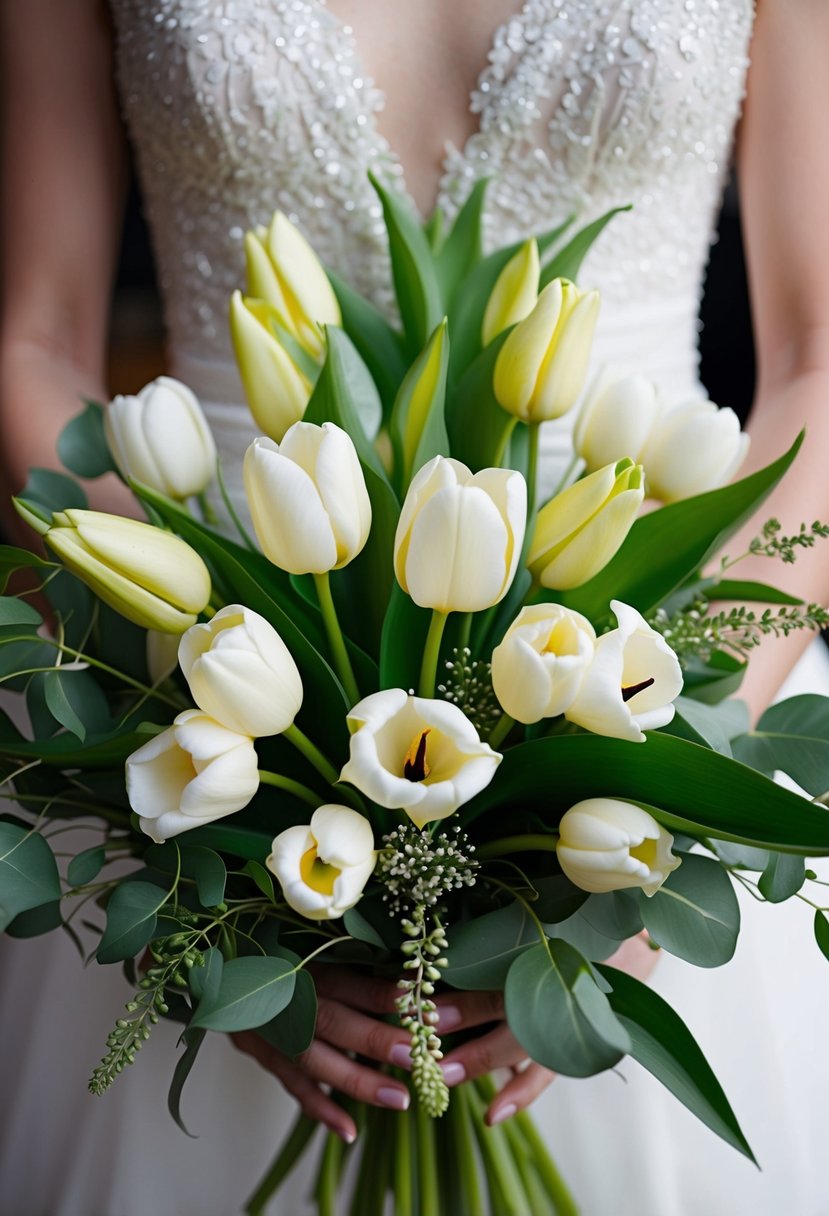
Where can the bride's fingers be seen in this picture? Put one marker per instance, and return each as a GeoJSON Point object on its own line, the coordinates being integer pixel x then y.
{"type": "Point", "coordinates": [498, 1049]}
{"type": "Point", "coordinates": [457, 1010]}
{"type": "Point", "coordinates": [518, 1093]}
{"type": "Point", "coordinates": [351, 1030]}
{"type": "Point", "coordinates": [330, 1067]}
{"type": "Point", "coordinates": [312, 1100]}
{"type": "Point", "coordinates": [355, 988]}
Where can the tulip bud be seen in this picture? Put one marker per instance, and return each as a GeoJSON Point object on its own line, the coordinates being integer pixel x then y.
{"type": "Point", "coordinates": [276, 390]}
{"type": "Point", "coordinates": [422, 756]}
{"type": "Point", "coordinates": [609, 845]}
{"type": "Point", "coordinates": [632, 682]}
{"type": "Point", "coordinates": [460, 535]}
{"type": "Point", "coordinates": [580, 530]}
{"type": "Point", "coordinates": [283, 269]}
{"type": "Point", "coordinates": [161, 438]}
{"type": "Point", "coordinates": [615, 420]}
{"type": "Point", "coordinates": [515, 292]}
{"type": "Point", "coordinates": [696, 447]}
{"type": "Point", "coordinates": [540, 369]}
{"type": "Point", "coordinates": [241, 673]}
{"type": "Point", "coordinates": [192, 773]}
{"type": "Point", "coordinates": [148, 575]}
{"type": "Point", "coordinates": [308, 498]}
{"type": "Point", "coordinates": [538, 667]}
{"type": "Point", "coordinates": [323, 866]}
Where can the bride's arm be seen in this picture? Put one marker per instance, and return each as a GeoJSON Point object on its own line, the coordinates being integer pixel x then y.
{"type": "Point", "coordinates": [783, 157]}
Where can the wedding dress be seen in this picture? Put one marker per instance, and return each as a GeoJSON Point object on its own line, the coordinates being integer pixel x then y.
{"type": "Point", "coordinates": [237, 107]}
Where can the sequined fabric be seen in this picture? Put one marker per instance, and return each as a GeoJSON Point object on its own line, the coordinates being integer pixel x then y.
{"type": "Point", "coordinates": [240, 106]}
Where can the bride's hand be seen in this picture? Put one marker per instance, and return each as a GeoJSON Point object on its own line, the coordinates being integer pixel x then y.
{"type": "Point", "coordinates": [498, 1048]}
{"type": "Point", "coordinates": [350, 1006]}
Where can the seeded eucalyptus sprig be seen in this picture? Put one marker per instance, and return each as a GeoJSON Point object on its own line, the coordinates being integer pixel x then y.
{"type": "Point", "coordinates": [691, 633]}
{"type": "Point", "coordinates": [769, 543]}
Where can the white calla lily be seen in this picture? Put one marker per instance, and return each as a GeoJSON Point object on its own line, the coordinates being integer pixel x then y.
{"type": "Point", "coordinates": [538, 668]}
{"type": "Point", "coordinates": [421, 756]}
{"type": "Point", "coordinates": [632, 682]}
{"type": "Point", "coordinates": [609, 845]}
{"type": "Point", "coordinates": [459, 536]}
{"type": "Point", "coordinates": [194, 772]}
{"type": "Point", "coordinates": [241, 672]}
{"type": "Point", "coordinates": [323, 867]}
{"type": "Point", "coordinates": [308, 499]}
{"type": "Point", "coordinates": [694, 448]}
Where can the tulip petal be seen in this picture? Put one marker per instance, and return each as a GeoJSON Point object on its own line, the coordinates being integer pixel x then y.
{"type": "Point", "coordinates": [287, 512]}
{"type": "Point", "coordinates": [456, 559]}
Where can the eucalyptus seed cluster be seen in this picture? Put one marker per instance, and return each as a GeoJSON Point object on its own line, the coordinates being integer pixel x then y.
{"type": "Point", "coordinates": [174, 956]}
{"type": "Point", "coordinates": [424, 949]}
{"type": "Point", "coordinates": [417, 868]}
{"type": "Point", "coordinates": [468, 684]}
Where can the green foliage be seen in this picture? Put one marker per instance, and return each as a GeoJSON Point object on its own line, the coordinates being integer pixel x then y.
{"type": "Point", "coordinates": [86, 866]}
{"type": "Point", "coordinates": [566, 262]}
{"type": "Point", "coordinates": [82, 444]}
{"type": "Point", "coordinates": [783, 876]}
{"type": "Point", "coordinates": [793, 736]}
{"type": "Point", "coordinates": [821, 926]}
{"type": "Point", "coordinates": [28, 872]}
{"type": "Point", "coordinates": [462, 250]}
{"type": "Point", "coordinates": [13, 559]}
{"type": "Point", "coordinates": [413, 270]}
{"type": "Point", "coordinates": [695, 914]}
{"type": "Point", "coordinates": [292, 1030]}
{"type": "Point", "coordinates": [192, 1040]}
{"type": "Point", "coordinates": [482, 950]}
{"type": "Point", "coordinates": [418, 427]}
{"type": "Point", "coordinates": [132, 912]}
{"type": "Point", "coordinates": [379, 346]}
{"type": "Point", "coordinates": [53, 491]}
{"type": "Point", "coordinates": [250, 993]}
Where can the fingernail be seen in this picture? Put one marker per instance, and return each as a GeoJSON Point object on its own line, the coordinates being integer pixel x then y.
{"type": "Point", "coordinates": [397, 1099]}
{"type": "Point", "coordinates": [449, 1018]}
{"type": "Point", "coordinates": [347, 1134]}
{"type": "Point", "coordinates": [401, 1055]}
{"type": "Point", "coordinates": [453, 1073]}
{"type": "Point", "coordinates": [501, 1113]}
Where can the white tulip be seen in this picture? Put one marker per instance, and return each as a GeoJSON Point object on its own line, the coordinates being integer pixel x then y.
{"type": "Point", "coordinates": [308, 498]}
{"type": "Point", "coordinates": [161, 438]}
{"type": "Point", "coordinates": [695, 447]}
{"type": "Point", "coordinates": [460, 535]}
{"type": "Point", "coordinates": [538, 667]}
{"type": "Point", "coordinates": [424, 757]}
{"type": "Point", "coordinates": [608, 845]}
{"type": "Point", "coordinates": [241, 672]}
{"type": "Point", "coordinates": [632, 682]}
{"type": "Point", "coordinates": [323, 867]}
{"type": "Point", "coordinates": [616, 419]}
{"type": "Point", "coordinates": [192, 773]}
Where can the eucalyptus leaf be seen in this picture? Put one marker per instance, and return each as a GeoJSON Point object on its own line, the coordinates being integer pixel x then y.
{"type": "Point", "coordinates": [86, 866]}
{"type": "Point", "coordinates": [822, 932]}
{"type": "Point", "coordinates": [76, 606]}
{"type": "Point", "coordinates": [559, 1015]}
{"type": "Point", "coordinates": [28, 871]}
{"type": "Point", "coordinates": [14, 611]}
{"type": "Point", "coordinates": [481, 951]}
{"type": "Point", "coordinates": [205, 980]}
{"type": "Point", "coordinates": [358, 926]}
{"type": "Point", "coordinates": [76, 701]}
{"type": "Point", "coordinates": [54, 491]}
{"type": "Point", "coordinates": [37, 921]}
{"type": "Point", "coordinates": [661, 1042]}
{"type": "Point", "coordinates": [614, 914]}
{"type": "Point", "coordinates": [292, 1030]}
{"type": "Point", "coordinates": [132, 911]}
{"type": "Point", "coordinates": [193, 1040]}
{"type": "Point", "coordinates": [251, 992]}
{"type": "Point", "coordinates": [792, 735]}
{"type": "Point", "coordinates": [695, 914]}
{"type": "Point", "coordinates": [13, 559]}
{"type": "Point", "coordinates": [782, 877]}
{"type": "Point", "coordinates": [558, 898]}
{"type": "Point", "coordinates": [82, 444]}
{"type": "Point", "coordinates": [261, 876]}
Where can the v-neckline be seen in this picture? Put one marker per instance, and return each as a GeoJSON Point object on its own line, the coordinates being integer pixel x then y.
{"type": "Point", "coordinates": [451, 153]}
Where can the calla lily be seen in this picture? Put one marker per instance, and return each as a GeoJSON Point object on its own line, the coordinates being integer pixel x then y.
{"type": "Point", "coordinates": [241, 672]}
{"type": "Point", "coordinates": [323, 866]}
{"type": "Point", "coordinates": [194, 772]}
{"type": "Point", "coordinates": [608, 845]}
{"type": "Point", "coordinates": [459, 536]}
{"type": "Point", "coordinates": [632, 682]}
{"type": "Point", "coordinates": [308, 498]}
{"type": "Point", "coordinates": [539, 666]}
{"type": "Point", "coordinates": [421, 756]}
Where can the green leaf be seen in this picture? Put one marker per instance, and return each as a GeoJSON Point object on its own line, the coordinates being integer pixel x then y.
{"type": "Point", "coordinates": [558, 898]}
{"type": "Point", "coordinates": [346, 394]}
{"type": "Point", "coordinates": [403, 640]}
{"type": "Point", "coordinates": [746, 592]}
{"type": "Point", "coordinates": [741, 855]}
{"type": "Point", "coordinates": [695, 914]}
{"type": "Point", "coordinates": [356, 925]}
{"type": "Point", "coordinates": [380, 347]}
{"type": "Point", "coordinates": [82, 444]}
{"type": "Point", "coordinates": [13, 559]}
{"type": "Point", "coordinates": [76, 701]}
{"type": "Point", "coordinates": [714, 681]}
{"type": "Point", "coordinates": [54, 491]}
{"type": "Point", "coordinates": [231, 838]}
{"type": "Point", "coordinates": [782, 877]}
{"type": "Point", "coordinates": [792, 735]}
{"type": "Point", "coordinates": [481, 951]}
{"type": "Point", "coordinates": [662, 1043]}
{"type": "Point", "coordinates": [566, 263]}
{"type": "Point", "coordinates": [582, 936]}
{"type": "Point", "coordinates": [418, 427]}
{"type": "Point", "coordinates": [708, 724]}
{"type": "Point", "coordinates": [28, 872]}
{"type": "Point", "coordinates": [208, 870]}
{"type": "Point", "coordinates": [193, 1040]}
{"type": "Point", "coordinates": [37, 921]}
{"type": "Point", "coordinates": [205, 980]}
{"type": "Point", "coordinates": [18, 612]}
{"type": "Point", "coordinates": [413, 269]}
{"type": "Point", "coordinates": [86, 866]}
{"type": "Point", "coordinates": [666, 546]}
{"type": "Point", "coordinates": [558, 1013]}
{"type": "Point", "coordinates": [822, 932]}
{"type": "Point", "coordinates": [477, 425]}
{"type": "Point", "coordinates": [614, 914]}
{"type": "Point", "coordinates": [76, 606]}
{"type": "Point", "coordinates": [462, 250]}
{"type": "Point", "coordinates": [251, 992]}
{"type": "Point", "coordinates": [292, 1030]}
{"type": "Point", "coordinates": [132, 911]}
{"type": "Point", "coordinates": [261, 877]}
{"type": "Point", "coordinates": [687, 787]}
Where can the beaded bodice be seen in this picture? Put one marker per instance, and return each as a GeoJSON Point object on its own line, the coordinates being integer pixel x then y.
{"type": "Point", "coordinates": [240, 106]}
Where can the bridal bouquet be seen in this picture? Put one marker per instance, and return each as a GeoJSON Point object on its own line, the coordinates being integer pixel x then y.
{"type": "Point", "coordinates": [432, 723]}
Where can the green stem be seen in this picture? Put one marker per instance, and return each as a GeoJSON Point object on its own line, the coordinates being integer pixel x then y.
{"type": "Point", "coordinates": [112, 671]}
{"type": "Point", "coordinates": [431, 654]}
{"type": "Point", "coordinates": [534, 842]}
{"type": "Point", "coordinates": [464, 632]}
{"type": "Point", "coordinates": [504, 1164]}
{"type": "Point", "coordinates": [231, 510]}
{"type": "Point", "coordinates": [554, 1185]}
{"type": "Point", "coordinates": [461, 1117]}
{"type": "Point", "coordinates": [287, 1157]}
{"type": "Point", "coordinates": [403, 1180]}
{"type": "Point", "coordinates": [336, 640]}
{"type": "Point", "coordinates": [290, 787]}
{"type": "Point", "coordinates": [369, 1139]}
{"type": "Point", "coordinates": [207, 513]}
{"type": "Point", "coordinates": [500, 455]}
{"type": "Point", "coordinates": [429, 1188]}
{"type": "Point", "coordinates": [500, 730]}
{"type": "Point", "coordinates": [328, 1181]}
{"type": "Point", "coordinates": [323, 766]}
{"type": "Point", "coordinates": [532, 467]}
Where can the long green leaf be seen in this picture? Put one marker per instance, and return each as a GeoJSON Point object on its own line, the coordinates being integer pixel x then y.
{"type": "Point", "coordinates": [566, 262]}
{"type": "Point", "coordinates": [696, 790]}
{"type": "Point", "coordinates": [380, 347]}
{"type": "Point", "coordinates": [478, 427]}
{"type": "Point", "coordinates": [661, 1043]}
{"type": "Point", "coordinates": [413, 269]}
{"type": "Point", "coordinates": [193, 1040]}
{"type": "Point", "coordinates": [462, 250]}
